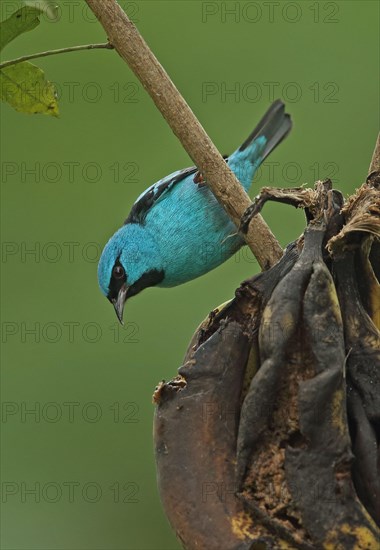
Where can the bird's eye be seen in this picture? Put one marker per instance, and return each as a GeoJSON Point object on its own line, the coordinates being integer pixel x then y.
{"type": "Point", "coordinates": [118, 272]}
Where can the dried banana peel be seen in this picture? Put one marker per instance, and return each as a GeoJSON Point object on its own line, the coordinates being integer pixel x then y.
{"type": "Point", "coordinates": [269, 437]}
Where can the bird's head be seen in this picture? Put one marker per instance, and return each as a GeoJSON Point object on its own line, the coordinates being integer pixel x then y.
{"type": "Point", "coordinates": [129, 263]}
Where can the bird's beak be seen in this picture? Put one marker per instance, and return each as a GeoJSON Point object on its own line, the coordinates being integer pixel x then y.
{"type": "Point", "coordinates": [118, 304]}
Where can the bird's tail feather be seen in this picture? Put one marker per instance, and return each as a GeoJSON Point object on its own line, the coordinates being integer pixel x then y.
{"type": "Point", "coordinates": [274, 127]}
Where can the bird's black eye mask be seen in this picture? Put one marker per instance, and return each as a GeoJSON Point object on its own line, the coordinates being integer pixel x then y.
{"type": "Point", "coordinates": [118, 279]}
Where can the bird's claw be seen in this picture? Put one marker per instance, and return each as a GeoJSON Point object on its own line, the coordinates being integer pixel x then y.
{"type": "Point", "coordinates": [252, 211]}
{"type": "Point", "coordinates": [198, 179]}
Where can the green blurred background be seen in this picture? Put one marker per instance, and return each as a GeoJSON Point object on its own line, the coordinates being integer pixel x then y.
{"type": "Point", "coordinates": [87, 450]}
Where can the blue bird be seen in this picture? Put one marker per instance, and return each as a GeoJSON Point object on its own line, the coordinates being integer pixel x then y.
{"type": "Point", "coordinates": [176, 230]}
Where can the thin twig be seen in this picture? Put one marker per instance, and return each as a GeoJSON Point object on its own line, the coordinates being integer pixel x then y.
{"type": "Point", "coordinates": [103, 46]}
{"type": "Point", "coordinates": [130, 45]}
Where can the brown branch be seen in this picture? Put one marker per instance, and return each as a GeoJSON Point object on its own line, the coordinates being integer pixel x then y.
{"type": "Point", "coordinates": [375, 162]}
{"type": "Point", "coordinates": [130, 45]}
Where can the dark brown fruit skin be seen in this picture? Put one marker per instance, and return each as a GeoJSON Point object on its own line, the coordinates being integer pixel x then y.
{"type": "Point", "coordinates": [277, 328]}
{"type": "Point", "coordinates": [362, 341]}
{"type": "Point", "coordinates": [318, 466]}
{"type": "Point", "coordinates": [367, 263]}
{"type": "Point", "coordinates": [197, 420]}
{"type": "Point", "coordinates": [195, 433]}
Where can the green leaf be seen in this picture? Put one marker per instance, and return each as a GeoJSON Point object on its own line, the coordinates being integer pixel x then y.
{"type": "Point", "coordinates": [46, 6]}
{"type": "Point", "coordinates": [24, 85]}
{"type": "Point", "coordinates": [26, 89]}
{"type": "Point", "coordinates": [23, 20]}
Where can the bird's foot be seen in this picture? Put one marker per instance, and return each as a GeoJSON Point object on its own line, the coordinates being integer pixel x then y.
{"type": "Point", "coordinates": [198, 179]}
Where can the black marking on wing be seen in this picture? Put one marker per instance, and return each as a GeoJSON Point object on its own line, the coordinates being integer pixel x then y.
{"type": "Point", "coordinates": [142, 206]}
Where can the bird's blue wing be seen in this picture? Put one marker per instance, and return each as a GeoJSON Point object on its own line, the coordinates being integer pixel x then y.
{"type": "Point", "coordinates": [270, 131]}
{"type": "Point", "coordinates": [154, 193]}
